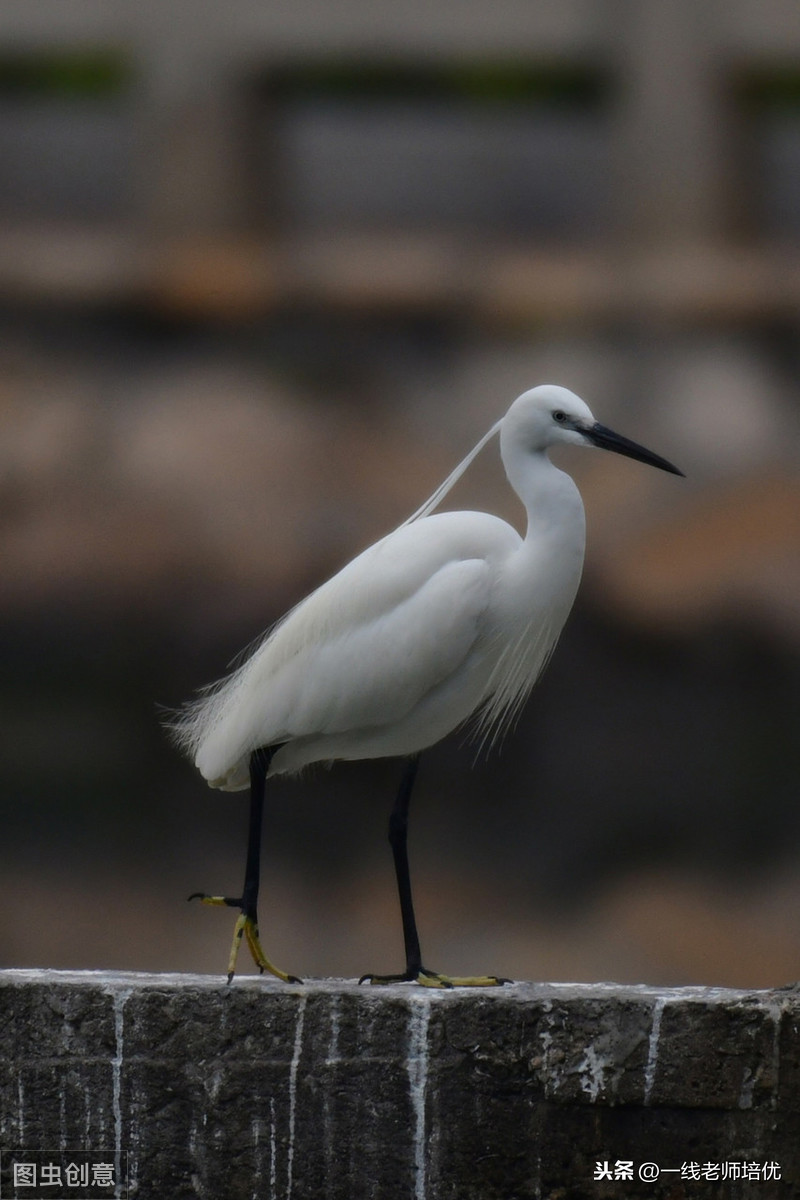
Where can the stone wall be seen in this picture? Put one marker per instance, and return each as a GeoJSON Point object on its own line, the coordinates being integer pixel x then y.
{"type": "Point", "coordinates": [339, 1091]}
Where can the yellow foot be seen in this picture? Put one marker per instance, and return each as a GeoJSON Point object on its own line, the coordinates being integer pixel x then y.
{"type": "Point", "coordinates": [432, 979]}
{"type": "Point", "coordinates": [246, 927]}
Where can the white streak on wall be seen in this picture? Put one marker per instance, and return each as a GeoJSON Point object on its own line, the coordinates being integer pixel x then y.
{"type": "Point", "coordinates": [119, 998]}
{"type": "Point", "coordinates": [87, 1109]}
{"type": "Point", "coordinates": [419, 1017]}
{"type": "Point", "coordinates": [256, 1130]}
{"type": "Point", "coordinates": [273, 1151]}
{"type": "Point", "coordinates": [551, 1075]}
{"type": "Point", "coordinates": [331, 1062]}
{"type": "Point", "coordinates": [21, 1112]}
{"type": "Point", "coordinates": [62, 1119]}
{"type": "Point", "coordinates": [775, 1011]}
{"type": "Point", "coordinates": [333, 1044]}
{"type": "Point", "coordinates": [298, 1049]}
{"type": "Point", "coordinates": [652, 1048]}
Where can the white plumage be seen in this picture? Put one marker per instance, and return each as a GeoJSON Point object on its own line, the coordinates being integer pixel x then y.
{"type": "Point", "coordinates": [449, 615]}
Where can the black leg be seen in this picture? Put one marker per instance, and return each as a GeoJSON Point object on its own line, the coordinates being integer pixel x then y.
{"type": "Point", "coordinates": [259, 766]}
{"type": "Point", "coordinates": [247, 924]}
{"type": "Point", "coordinates": [248, 901]}
{"type": "Point", "coordinates": [398, 840]}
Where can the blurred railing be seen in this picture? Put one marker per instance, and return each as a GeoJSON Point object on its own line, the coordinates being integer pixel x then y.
{"type": "Point", "coordinates": [642, 161]}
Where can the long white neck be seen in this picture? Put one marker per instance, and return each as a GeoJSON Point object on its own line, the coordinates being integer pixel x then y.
{"type": "Point", "coordinates": [552, 501]}
{"type": "Point", "coordinates": [539, 579]}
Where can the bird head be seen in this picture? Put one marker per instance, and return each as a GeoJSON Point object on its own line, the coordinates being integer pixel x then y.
{"type": "Point", "coordinates": [549, 415]}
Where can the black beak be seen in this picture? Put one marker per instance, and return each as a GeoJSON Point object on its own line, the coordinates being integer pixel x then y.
{"type": "Point", "coordinates": [606, 439]}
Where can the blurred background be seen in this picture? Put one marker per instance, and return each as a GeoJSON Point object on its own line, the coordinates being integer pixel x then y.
{"type": "Point", "coordinates": [267, 272]}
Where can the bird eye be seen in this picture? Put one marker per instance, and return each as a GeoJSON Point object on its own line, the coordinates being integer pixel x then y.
{"type": "Point", "coordinates": [559, 416]}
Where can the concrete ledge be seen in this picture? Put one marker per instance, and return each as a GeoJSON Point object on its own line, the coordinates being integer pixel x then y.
{"type": "Point", "coordinates": [261, 1090]}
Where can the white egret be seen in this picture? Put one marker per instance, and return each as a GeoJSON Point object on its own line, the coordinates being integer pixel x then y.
{"type": "Point", "coordinates": [452, 615]}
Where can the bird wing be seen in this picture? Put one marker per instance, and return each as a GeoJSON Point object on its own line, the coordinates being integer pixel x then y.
{"type": "Point", "coordinates": [372, 674]}
{"type": "Point", "coordinates": [364, 648]}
